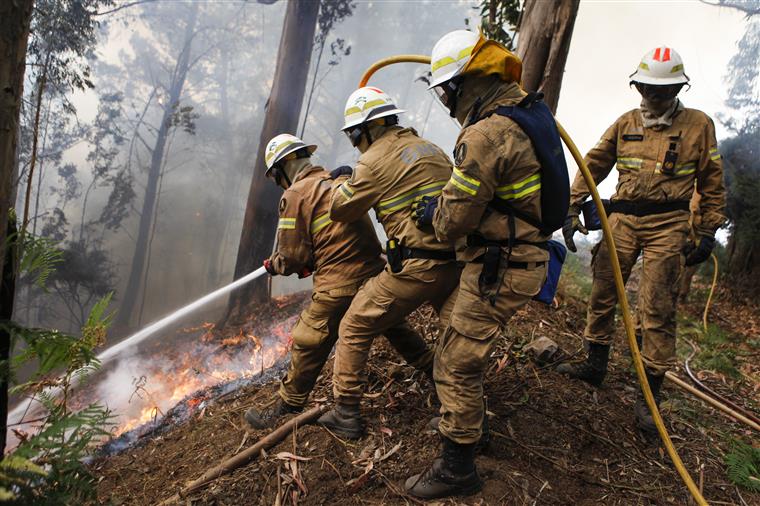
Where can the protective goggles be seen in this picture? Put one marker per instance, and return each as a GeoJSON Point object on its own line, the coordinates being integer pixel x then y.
{"type": "Point", "coordinates": [658, 92]}
{"type": "Point", "coordinates": [354, 134]}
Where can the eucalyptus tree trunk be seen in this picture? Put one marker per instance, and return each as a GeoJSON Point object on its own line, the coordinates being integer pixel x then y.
{"type": "Point", "coordinates": [15, 16]}
{"type": "Point", "coordinates": [135, 283]}
{"type": "Point", "coordinates": [543, 44]}
{"type": "Point", "coordinates": [283, 110]}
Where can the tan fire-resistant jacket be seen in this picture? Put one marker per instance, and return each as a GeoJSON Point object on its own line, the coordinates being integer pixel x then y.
{"type": "Point", "coordinates": [638, 153]}
{"type": "Point", "coordinates": [338, 253]}
{"type": "Point", "coordinates": [494, 158]}
{"type": "Point", "coordinates": [397, 169]}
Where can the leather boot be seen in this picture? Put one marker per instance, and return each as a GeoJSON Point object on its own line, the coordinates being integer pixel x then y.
{"type": "Point", "coordinates": [593, 369]}
{"type": "Point", "coordinates": [265, 418]}
{"type": "Point", "coordinates": [452, 474]}
{"type": "Point", "coordinates": [644, 418]}
{"type": "Point", "coordinates": [344, 420]}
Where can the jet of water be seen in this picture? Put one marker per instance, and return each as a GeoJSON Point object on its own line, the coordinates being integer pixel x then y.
{"type": "Point", "coordinates": [176, 315]}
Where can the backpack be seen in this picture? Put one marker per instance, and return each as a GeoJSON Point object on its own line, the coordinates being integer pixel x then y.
{"type": "Point", "coordinates": [537, 121]}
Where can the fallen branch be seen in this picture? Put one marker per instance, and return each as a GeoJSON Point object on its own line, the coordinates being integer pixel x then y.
{"type": "Point", "coordinates": [248, 454]}
{"type": "Point", "coordinates": [709, 400]}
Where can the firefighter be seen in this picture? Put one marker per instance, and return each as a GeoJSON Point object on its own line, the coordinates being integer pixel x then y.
{"type": "Point", "coordinates": [396, 167]}
{"type": "Point", "coordinates": [341, 255]}
{"type": "Point", "coordinates": [661, 150]}
{"type": "Point", "coordinates": [492, 208]}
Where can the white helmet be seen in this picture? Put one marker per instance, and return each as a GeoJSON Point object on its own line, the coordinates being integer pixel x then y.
{"type": "Point", "coordinates": [366, 104]}
{"type": "Point", "coordinates": [660, 66]}
{"type": "Point", "coordinates": [281, 146]}
{"type": "Point", "coordinates": [450, 54]}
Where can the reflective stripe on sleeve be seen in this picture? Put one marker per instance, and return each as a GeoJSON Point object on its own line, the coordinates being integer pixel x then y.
{"type": "Point", "coordinates": [714, 155]}
{"type": "Point", "coordinates": [388, 206]}
{"type": "Point", "coordinates": [286, 224]}
{"type": "Point", "coordinates": [320, 222]}
{"type": "Point", "coordinates": [519, 189]}
{"type": "Point", "coordinates": [465, 183]}
{"type": "Point", "coordinates": [346, 191]}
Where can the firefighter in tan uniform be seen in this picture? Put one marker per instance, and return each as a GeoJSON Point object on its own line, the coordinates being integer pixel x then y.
{"type": "Point", "coordinates": [341, 256]}
{"type": "Point", "coordinates": [661, 151]}
{"type": "Point", "coordinates": [396, 168]}
{"type": "Point", "coordinates": [490, 207]}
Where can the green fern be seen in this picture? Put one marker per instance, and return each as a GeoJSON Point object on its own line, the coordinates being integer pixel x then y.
{"type": "Point", "coordinates": [39, 257]}
{"type": "Point", "coordinates": [743, 465]}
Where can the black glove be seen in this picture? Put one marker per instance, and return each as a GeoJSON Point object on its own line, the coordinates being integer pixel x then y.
{"type": "Point", "coordinates": [572, 224]}
{"type": "Point", "coordinates": [269, 267]}
{"type": "Point", "coordinates": [423, 210]}
{"type": "Point", "coordinates": [696, 254]}
{"type": "Point", "coordinates": [343, 170]}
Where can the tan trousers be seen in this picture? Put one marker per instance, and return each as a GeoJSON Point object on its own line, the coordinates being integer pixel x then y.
{"type": "Point", "coordinates": [660, 238]}
{"type": "Point", "coordinates": [382, 303]}
{"type": "Point", "coordinates": [462, 353]}
{"type": "Point", "coordinates": [315, 335]}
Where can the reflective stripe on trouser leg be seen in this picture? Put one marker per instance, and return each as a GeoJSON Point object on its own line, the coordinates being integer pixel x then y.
{"type": "Point", "coordinates": [600, 322]}
{"type": "Point", "coordinates": [462, 352]}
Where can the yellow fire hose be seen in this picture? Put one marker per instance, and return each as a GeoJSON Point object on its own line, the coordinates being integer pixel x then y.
{"type": "Point", "coordinates": [619, 285]}
{"type": "Point", "coordinates": [712, 290]}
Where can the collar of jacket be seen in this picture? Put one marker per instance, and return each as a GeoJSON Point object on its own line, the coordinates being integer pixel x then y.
{"type": "Point", "coordinates": [656, 122]}
{"type": "Point", "coordinates": [497, 94]}
{"type": "Point", "coordinates": [306, 172]}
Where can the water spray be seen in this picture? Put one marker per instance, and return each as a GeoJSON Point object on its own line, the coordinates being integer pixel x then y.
{"type": "Point", "coordinates": [151, 329]}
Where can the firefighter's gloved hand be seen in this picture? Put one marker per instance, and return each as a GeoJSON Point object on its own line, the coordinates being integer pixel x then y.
{"type": "Point", "coordinates": [305, 273]}
{"type": "Point", "coordinates": [572, 224]}
{"type": "Point", "coordinates": [423, 211]}
{"type": "Point", "coordinates": [343, 170]}
{"type": "Point", "coordinates": [696, 254]}
{"type": "Point", "coordinates": [269, 267]}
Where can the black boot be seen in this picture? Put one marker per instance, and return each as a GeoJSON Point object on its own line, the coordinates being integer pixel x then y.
{"type": "Point", "coordinates": [344, 420]}
{"type": "Point", "coordinates": [453, 473]}
{"type": "Point", "coordinates": [265, 418]}
{"type": "Point", "coordinates": [644, 418]}
{"type": "Point", "coordinates": [593, 369]}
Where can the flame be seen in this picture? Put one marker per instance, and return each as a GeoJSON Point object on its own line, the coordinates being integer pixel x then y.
{"type": "Point", "coordinates": [210, 360]}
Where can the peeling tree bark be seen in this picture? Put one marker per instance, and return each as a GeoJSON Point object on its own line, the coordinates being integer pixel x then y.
{"type": "Point", "coordinates": [283, 110]}
{"type": "Point", "coordinates": [543, 43]}
{"type": "Point", "coordinates": [15, 16]}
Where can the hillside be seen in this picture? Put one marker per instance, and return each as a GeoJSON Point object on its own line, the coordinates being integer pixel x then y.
{"type": "Point", "coordinates": [554, 441]}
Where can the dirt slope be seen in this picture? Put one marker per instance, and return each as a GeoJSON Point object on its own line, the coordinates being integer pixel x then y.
{"type": "Point", "coordinates": [554, 441]}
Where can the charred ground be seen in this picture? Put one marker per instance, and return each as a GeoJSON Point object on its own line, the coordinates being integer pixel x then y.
{"type": "Point", "coordinates": [553, 441]}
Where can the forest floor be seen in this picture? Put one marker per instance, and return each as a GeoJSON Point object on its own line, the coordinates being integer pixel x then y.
{"type": "Point", "coordinates": [553, 440]}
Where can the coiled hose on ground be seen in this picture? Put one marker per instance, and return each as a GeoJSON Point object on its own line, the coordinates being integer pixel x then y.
{"type": "Point", "coordinates": [619, 285]}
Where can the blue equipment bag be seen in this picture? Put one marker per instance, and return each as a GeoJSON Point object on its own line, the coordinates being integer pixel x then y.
{"type": "Point", "coordinates": [557, 254]}
{"type": "Point", "coordinates": [537, 121]}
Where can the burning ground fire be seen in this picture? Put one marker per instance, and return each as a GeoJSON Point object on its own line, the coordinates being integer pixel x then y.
{"type": "Point", "coordinates": [175, 375]}
{"type": "Point", "coordinates": [210, 361]}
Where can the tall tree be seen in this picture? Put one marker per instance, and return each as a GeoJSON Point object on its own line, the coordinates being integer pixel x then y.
{"type": "Point", "coordinates": [172, 116]}
{"type": "Point", "coordinates": [282, 113]}
{"type": "Point", "coordinates": [741, 153]}
{"type": "Point", "coordinates": [543, 44]}
{"type": "Point", "coordinates": [15, 17]}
